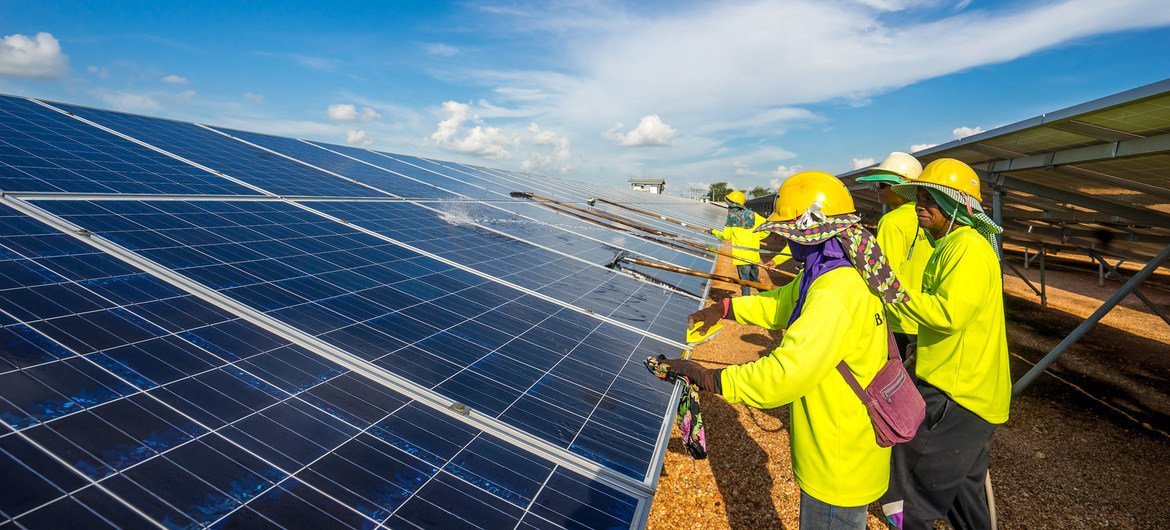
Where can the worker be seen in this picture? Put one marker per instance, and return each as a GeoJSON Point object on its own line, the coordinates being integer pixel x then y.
{"type": "Point", "coordinates": [903, 242]}
{"type": "Point", "coordinates": [832, 312]}
{"type": "Point", "coordinates": [745, 242]}
{"type": "Point", "coordinates": [962, 365]}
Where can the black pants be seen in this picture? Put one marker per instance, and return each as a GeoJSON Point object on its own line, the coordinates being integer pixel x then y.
{"type": "Point", "coordinates": [940, 473]}
{"type": "Point", "coordinates": [908, 357]}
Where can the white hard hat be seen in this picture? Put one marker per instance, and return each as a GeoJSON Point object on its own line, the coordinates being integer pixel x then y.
{"type": "Point", "coordinates": [901, 164]}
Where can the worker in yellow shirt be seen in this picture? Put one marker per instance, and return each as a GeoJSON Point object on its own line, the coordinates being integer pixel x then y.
{"type": "Point", "coordinates": [962, 363]}
{"type": "Point", "coordinates": [903, 242]}
{"type": "Point", "coordinates": [745, 241]}
{"type": "Point", "coordinates": [832, 312]}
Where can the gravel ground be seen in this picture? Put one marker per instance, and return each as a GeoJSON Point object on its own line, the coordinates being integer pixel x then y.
{"type": "Point", "coordinates": [1086, 446]}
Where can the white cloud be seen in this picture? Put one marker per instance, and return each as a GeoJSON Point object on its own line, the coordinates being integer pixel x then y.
{"type": "Point", "coordinates": [782, 172]}
{"type": "Point", "coordinates": [487, 142]}
{"type": "Point", "coordinates": [254, 98]}
{"type": "Point", "coordinates": [357, 138]}
{"type": "Point", "coordinates": [742, 170]}
{"type": "Point", "coordinates": [651, 130]}
{"type": "Point", "coordinates": [342, 112]}
{"type": "Point", "coordinates": [441, 50]}
{"type": "Point", "coordinates": [308, 61]}
{"type": "Point", "coordinates": [369, 115]}
{"type": "Point", "coordinates": [730, 69]}
{"type": "Point", "coordinates": [102, 73]}
{"type": "Point", "coordinates": [128, 100]}
{"type": "Point", "coordinates": [175, 79]}
{"type": "Point", "coordinates": [963, 132]}
{"type": "Point", "coordinates": [859, 163]}
{"type": "Point", "coordinates": [39, 57]}
{"type": "Point", "coordinates": [348, 112]}
{"type": "Point", "coordinates": [919, 147]}
{"type": "Point", "coordinates": [151, 101]}
{"type": "Point", "coordinates": [557, 159]}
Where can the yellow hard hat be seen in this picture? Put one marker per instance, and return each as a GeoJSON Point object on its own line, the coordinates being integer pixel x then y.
{"type": "Point", "coordinates": [953, 174]}
{"type": "Point", "coordinates": [736, 196]}
{"type": "Point", "coordinates": [804, 188]}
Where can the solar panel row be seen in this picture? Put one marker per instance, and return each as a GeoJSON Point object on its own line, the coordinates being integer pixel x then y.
{"type": "Point", "coordinates": [194, 361]}
{"type": "Point", "coordinates": [120, 389]}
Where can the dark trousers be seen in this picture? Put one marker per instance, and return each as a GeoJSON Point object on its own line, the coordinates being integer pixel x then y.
{"type": "Point", "coordinates": [908, 354]}
{"type": "Point", "coordinates": [747, 272]}
{"type": "Point", "coordinates": [940, 473]}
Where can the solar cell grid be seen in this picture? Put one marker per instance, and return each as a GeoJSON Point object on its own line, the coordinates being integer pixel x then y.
{"type": "Point", "coordinates": [347, 167]}
{"type": "Point", "coordinates": [453, 232]}
{"type": "Point", "coordinates": [42, 150]}
{"type": "Point", "coordinates": [246, 163]}
{"type": "Point", "coordinates": [222, 423]}
{"type": "Point", "coordinates": [436, 325]}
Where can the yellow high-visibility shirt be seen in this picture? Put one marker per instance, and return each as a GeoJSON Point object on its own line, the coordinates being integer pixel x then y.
{"type": "Point", "coordinates": [908, 249]}
{"type": "Point", "coordinates": [962, 338]}
{"type": "Point", "coordinates": [835, 455]}
{"type": "Point", "coordinates": [743, 240]}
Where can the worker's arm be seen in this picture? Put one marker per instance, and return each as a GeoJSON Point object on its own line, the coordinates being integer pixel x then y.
{"type": "Point", "coordinates": [781, 257]}
{"type": "Point", "coordinates": [962, 275]}
{"type": "Point", "coordinates": [810, 350]}
{"type": "Point", "coordinates": [769, 309]}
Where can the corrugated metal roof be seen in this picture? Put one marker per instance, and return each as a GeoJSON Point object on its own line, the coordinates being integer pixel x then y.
{"type": "Point", "coordinates": [1094, 177]}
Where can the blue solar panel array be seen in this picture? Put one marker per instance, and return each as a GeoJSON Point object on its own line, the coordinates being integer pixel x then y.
{"type": "Point", "coordinates": [315, 351]}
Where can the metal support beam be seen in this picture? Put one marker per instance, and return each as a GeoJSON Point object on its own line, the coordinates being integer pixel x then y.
{"type": "Point", "coordinates": [1153, 145]}
{"type": "Point", "coordinates": [1088, 324]}
{"type": "Point", "coordinates": [1043, 284]}
{"type": "Point", "coordinates": [1142, 216]}
{"type": "Point", "coordinates": [1022, 277]}
{"type": "Point", "coordinates": [1114, 270]}
{"type": "Point", "coordinates": [997, 213]}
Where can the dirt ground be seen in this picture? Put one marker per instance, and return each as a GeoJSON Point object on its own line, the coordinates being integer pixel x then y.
{"type": "Point", "coordinates": [1086, 445]}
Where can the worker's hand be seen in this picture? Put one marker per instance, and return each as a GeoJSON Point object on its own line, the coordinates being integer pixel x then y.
{"type": "Point", "coordinates": [710, 315]}
{"type": "Point", "coordinates": [709, 379]}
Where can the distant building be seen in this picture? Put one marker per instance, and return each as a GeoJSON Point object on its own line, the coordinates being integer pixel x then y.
{"type": "Point", "coordinates": [648, 185]}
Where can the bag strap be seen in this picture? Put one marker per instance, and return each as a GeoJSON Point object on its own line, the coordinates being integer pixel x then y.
{"type": "Point", "coordinates": [891, 354]}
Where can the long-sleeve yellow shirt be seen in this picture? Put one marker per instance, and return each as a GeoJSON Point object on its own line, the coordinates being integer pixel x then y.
{"type": "Point", "coordinates": [908, 249]}
{"type": "Point", "coordinates": [834, 453]}
{"type": "Point", "coordinates": [743, 240]}
{"type": "Point", "coordinates": [962, 339]}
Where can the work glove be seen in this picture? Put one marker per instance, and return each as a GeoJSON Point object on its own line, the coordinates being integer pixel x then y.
{"type": "Point", "coordinates": [710, 315]}
{"type": "Point", "coordinates": [708, 379]}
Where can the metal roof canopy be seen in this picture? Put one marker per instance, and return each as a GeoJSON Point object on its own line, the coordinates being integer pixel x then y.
{"type": "Point", "coordinates": [1093, 178]}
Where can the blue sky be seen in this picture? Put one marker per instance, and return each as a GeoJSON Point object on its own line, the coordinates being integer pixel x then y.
{"type": "Point", "coordinates": [691, 91]}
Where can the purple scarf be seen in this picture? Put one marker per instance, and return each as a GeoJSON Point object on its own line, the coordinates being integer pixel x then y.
{"type": "Point", "coordinates": [818, 259]}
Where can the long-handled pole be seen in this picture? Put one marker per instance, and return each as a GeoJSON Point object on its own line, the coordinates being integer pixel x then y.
{"type": "Point", "coordinates": [691, 272]}
{"type": "Point", "coordinates": [652, 214]}
{"type": "Point", "coordinates": [653, 231]}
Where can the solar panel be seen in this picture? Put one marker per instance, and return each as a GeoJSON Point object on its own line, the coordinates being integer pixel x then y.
{"type": "Point", "coordinates": [256, 167]}
{"type": "Point", "coordinates": [131, 401]}
{"type": "Point", "coordinates": [42, 150]}
{"type": "Point", "coordinates": [180, 357]}
{"type": "Point", "coordinates": [411, 181]}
